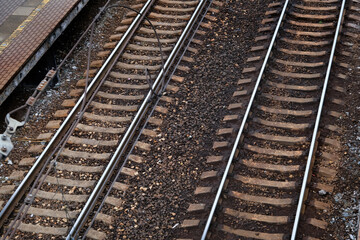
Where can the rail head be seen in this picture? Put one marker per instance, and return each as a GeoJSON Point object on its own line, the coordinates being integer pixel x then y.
{"type": "Point", "coordinates": [80, 221]}
{"type": "Point", "coordinates": [242, 126]}
{"type": "Point", "coordinates": [316, 126]}
{"type": "Point", "coordinates": [31, 175]}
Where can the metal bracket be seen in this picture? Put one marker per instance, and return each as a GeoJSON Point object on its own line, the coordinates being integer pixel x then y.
{"type": "Point", "coordinates": [5, 146]}
{"type": "Point", "coordinates": [12, 124]}
{"type": "Point", "coordinates": [5, 139]}
{"type": "Point", "coordinates": [29, 198]}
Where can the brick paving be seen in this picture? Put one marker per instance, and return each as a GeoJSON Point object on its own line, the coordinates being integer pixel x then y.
{"type": "Point", "coordinates": [7, 7]}
{"type": "Point", "coordinates": [15, 56]}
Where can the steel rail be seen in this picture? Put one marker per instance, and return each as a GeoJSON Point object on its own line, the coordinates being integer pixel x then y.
{"type": "Point", "coordinates": [139, 117]}
{"type": "Point", "coordinates": [316, 127]}
{"type": "Point", "coordinates": [38, 182]}
{"type": "Point", "coordinates": [22, 188]}
{"type": "Point", "coordinates": [118, 171]}
{"type": "Point", "coordinates": [242, 127]}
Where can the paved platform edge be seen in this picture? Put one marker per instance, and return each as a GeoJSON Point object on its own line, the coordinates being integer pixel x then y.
{"type": "Point", "coordinates": [41, 50]}
{"type": "Point", "coordinates": [21, 27]}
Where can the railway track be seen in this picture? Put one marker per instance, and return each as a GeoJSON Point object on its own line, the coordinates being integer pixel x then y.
{"type": "Point", "coordinates": [264, 186]}
{"type": "Point", "coordinates": [80, 194]}
{"type": "Point", "coordinates": [79, 168]}
{"type": "Point", "coordinates": [318, 218]}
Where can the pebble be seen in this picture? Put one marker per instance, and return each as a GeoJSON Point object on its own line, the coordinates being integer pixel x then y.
{"type": "Point", "coordinates": [9, 161]}
{"type": "Point", "coordinates": [338, 197]}
{"type": "Point", "coordinates": [322, 192]}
